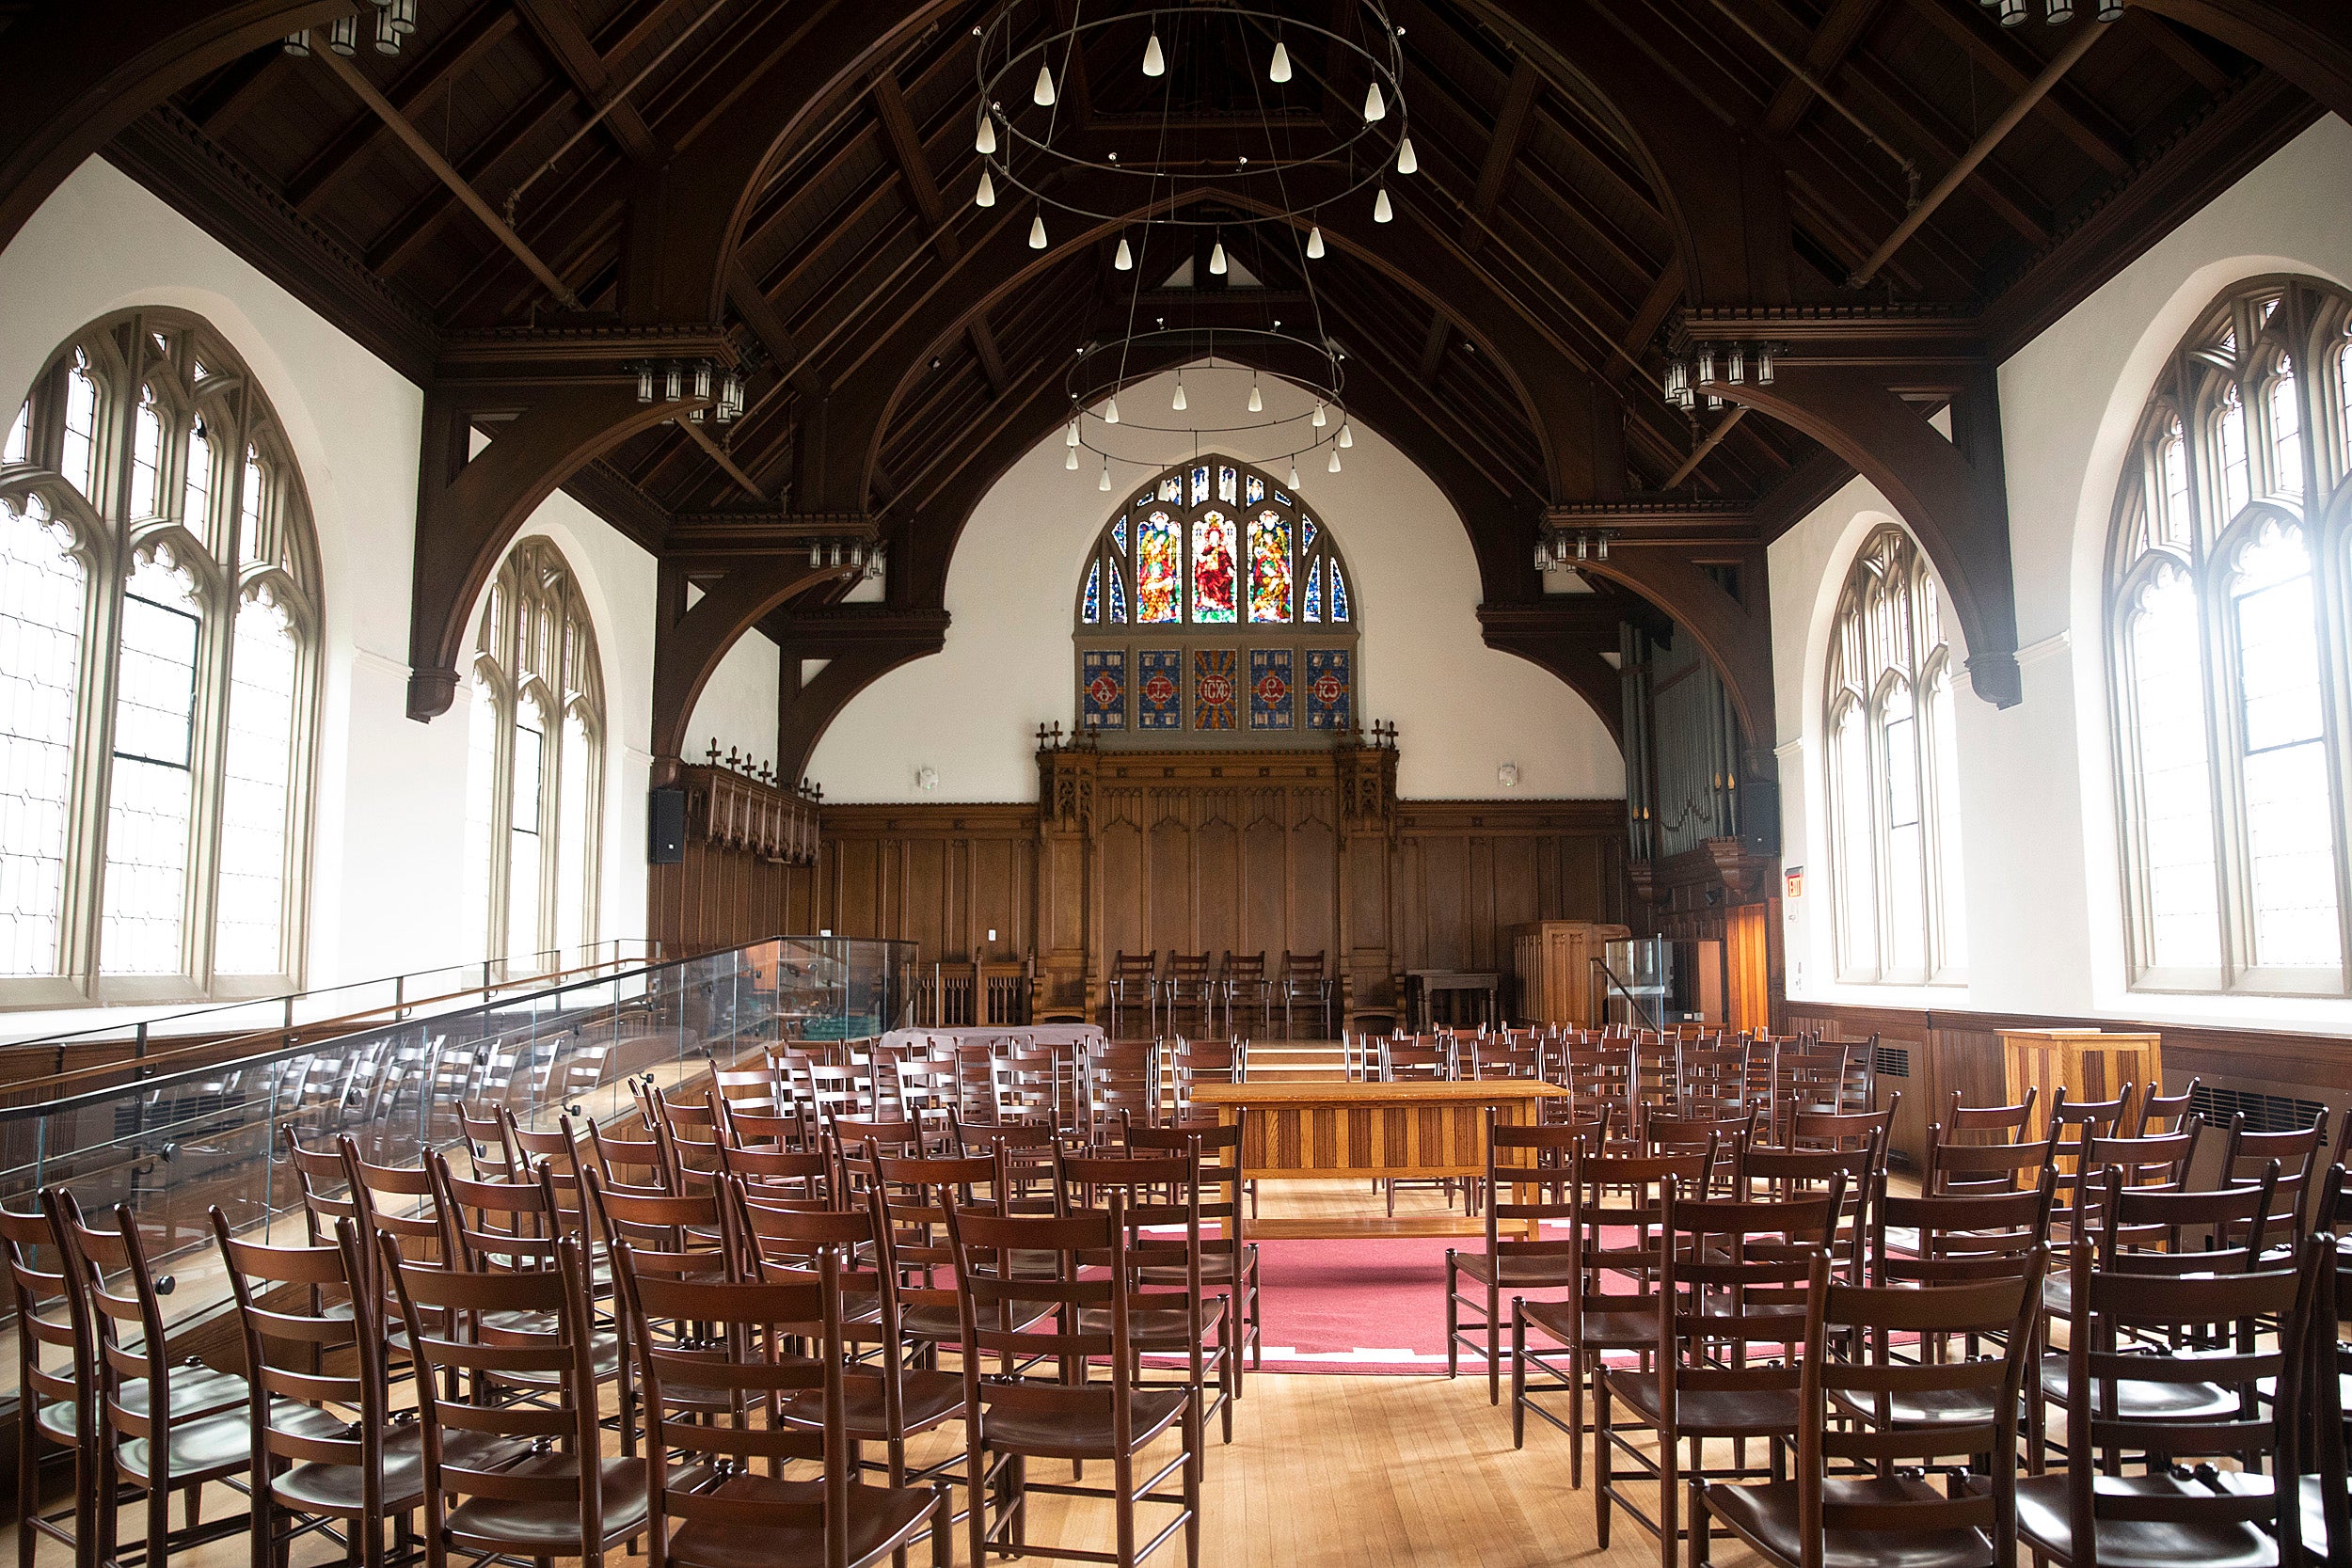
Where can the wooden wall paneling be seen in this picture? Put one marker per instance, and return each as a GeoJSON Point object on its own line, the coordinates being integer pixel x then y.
{"type": "Point", "coordinates": [1267, 879]}
{"type": "Point", "coordinates": [1218, 874]}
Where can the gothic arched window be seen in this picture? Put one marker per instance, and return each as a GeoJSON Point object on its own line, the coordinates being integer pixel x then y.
{"type": "Point", "coordinates": [1215, 606]}
{"type": "Point", "coordinates": [2227, 634]}
{"type": "Point", "coordinates": [159, 637]}
{"type": "Point", "coordinates": [1893, 775]}
{"type": "Point", "coordinates": [534, 778]}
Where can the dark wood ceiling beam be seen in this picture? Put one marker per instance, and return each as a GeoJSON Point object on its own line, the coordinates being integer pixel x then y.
{"type": "Point", "coordinates": [557, 26]}
{"type": "Point", "coordinates": [2167, 38]}
{"type": "Point", "coordinates": [1837, 33]}
{"type": "Point", "coordinates": [915, 168]}
{"type": "Point", "coordinates": [253, 79]}
{"type": "Point", "coordinates": [1502, 149]}
{"type": "Point", "coordinates": [2010, 64]}
{"type": "Point", "coordinates": [1433, 348]}
{"type": "Point", "coordinates": [716, 451]}
{"type": "Point", "coordinates": [460, 50]}
{"type": "Point", "coordinates": [992, 362]}
{"type": "Point", "coordinates": [768, 325]}
{"type": "Point", "coordinates": [1926, 129]}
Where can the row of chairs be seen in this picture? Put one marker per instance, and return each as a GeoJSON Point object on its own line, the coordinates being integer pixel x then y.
{"type": "Point", "coordinates": [741, 1303]}
{"type": "Point", "coordinates": [1188, 986]}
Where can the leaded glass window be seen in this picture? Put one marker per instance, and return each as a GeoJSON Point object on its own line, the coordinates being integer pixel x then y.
{"type": "Point", "coordinates": [535, 769]}
{"type": "Point", "coordinates": [158, 676]}
{"type": "Point", "coordinates": [1892, 774]}
{"type": "Point", "coordinates": [2227, 640]}
{"type": "Point", "coordinates": [1211, 553]}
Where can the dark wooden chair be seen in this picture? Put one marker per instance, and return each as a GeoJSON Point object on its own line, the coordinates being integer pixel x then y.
{"type": "Point", "coordinates": [1426, 1059]}
{"type": "Point", "coordinates": [1736, 1281]}
{"type": "Point", "coordinates": [2296, 1152]}
{"type": "Point", "coordinates": [1086, 1280]}
{"type": "Point", "coordinates": [523, 1347]}
{"type": "Point", "coordinates": [2326, 1489]}
{"type": "Point", "coordinates": [1119, 1080]}
{"type": "Point", "coordinates": [1617, 1212]}
{"type": "Point", "coordinates": [1860, 1493]}
{"type": "Point", "coordinates": [1529, 1172]}
{"type": "Point", "coordinates": [2178, 1416]}
{"type": "Point", "coordinates": [2166, 1113]}
{"type": "Point", "coordinates": [1244, 985]}
{"type": "Point", "coordinates": [1185, 988]}
{"type": "Point", "coordinates": [1306, 986]}
{"type": "Point", "coordinates": [57, 1399]}
{"type": "Point", "coordinates": [1229, 1259]}
{"type": "Point", "coordinates": [1205, 1062]}
{"type": "Point", "coordinates": [1135, 981]}
{"type": "Point", "coordinates": [1807, 1077]}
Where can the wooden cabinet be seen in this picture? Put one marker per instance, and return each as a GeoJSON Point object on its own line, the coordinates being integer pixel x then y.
{"type": "Point", "coordinates": [1551, 961]}
{"type": "Point", "coordinates": [2090, 1064]}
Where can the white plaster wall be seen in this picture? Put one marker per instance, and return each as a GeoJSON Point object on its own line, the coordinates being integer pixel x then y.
{"type": "Point", "coordinates": [2037, 817]}
{"type": "Point", "coordinates": [390, 821]}
{"type": "Point", "coordinates": [738, 707]}
{"type": "Point", "coordinates": [972, 711]}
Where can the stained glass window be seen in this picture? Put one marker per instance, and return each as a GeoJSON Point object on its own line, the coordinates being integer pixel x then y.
{"type": "Point", "coordinates": [2228, 645]}
{"type": "Point", "coordinates": [1269, 568]}
{"type": "Point", "coordinates": [1199, 484]}
{"type": "Point", "coordinates": [188, 879]}
{"type": "Point", "coordinates": [1228, 483]}
{"type": "Point", "coordinates": [1211, 568]}
{"type": "Point", "coordinates": [1118, 598]}
{"type": "Point", "coordinates": [1156, 577]}
{"type": "Point", "coordinates": [1314, 592]}
{"type": "Point", "coordinates": [1094, 593]}
{"type": "Point", "coordinates": [1119, 534]}
{"type": "Point", "coordinates": [1339, 593]}
{"type": "Point", "coordinates": [1252, 489]}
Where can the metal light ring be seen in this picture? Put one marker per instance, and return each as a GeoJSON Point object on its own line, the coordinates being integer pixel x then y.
{"type": "Point", "coordinates": [1331, 392]}
{"type": "Point", "coordinates": [1375, 173]}
{"type": "Point", "coordinates": [1041, 52]}
{"type": "Point", "coordinates": [1334, 411]}
{"type": "Point", "coordinates": [1156, 464]}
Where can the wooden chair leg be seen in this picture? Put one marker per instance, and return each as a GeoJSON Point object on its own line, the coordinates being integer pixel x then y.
{"type": "Point", "coordinates": [1519, 1374]}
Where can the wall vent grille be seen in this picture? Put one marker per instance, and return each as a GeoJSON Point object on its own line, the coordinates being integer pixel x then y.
{"type": "Point", "coordinates": [2263, 1113]}
{"type": "Point", "coordinates": [1894, 1061]}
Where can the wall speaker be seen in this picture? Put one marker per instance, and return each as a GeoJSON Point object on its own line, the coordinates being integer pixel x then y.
{"type": "Point", "coordinates": [665, 827]}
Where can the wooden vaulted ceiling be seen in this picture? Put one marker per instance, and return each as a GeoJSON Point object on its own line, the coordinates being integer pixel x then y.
{"type": "Point", "coordinates": [1528, 186]}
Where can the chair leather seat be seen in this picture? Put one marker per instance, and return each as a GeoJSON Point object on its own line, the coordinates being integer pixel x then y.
{"type": "Point", "coordinates": [2043, 1521]}
{"type": "Point", "coordinates": [222, 1441]}
{"type": "Point", "coordinates": [322, 1488]}
{"type": "Point", "coordinates": [942, 1322]}
{"type": "Point", "coordinates": [1712, 1412]}
{"type": "Point", "coordinates": [60, 1420]}
{"type": "Point", "coordinates": [2058, 1296]}
{"type": "Point", "coordinates": [194, 1389]}
{"type": "Point", "coordinates": [1926, 1407]}
{"type": "Point", "coordinates": [928, 1399]}
{"type": "Point", "coordinates": [1538, 1269]}
{"type": "Point", "coordinates": [604, 1355]}
{"type": "Point", "coordinates": [1768, 1513]}
{"type": "Point", "coordinates": [2153, 1402]}
{"type": "Point", "coordinates": [552, 1528]}
{"type": "Point", "coordinates": [1603, 1330]}
{"type": "Point", "coordinates": [1080, 1433]}
{"type": "Point", "coordinates": [880, 1520]}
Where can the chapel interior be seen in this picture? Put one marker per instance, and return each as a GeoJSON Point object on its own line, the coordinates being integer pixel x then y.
{"type": "Point", "coordinates": [794, 784]}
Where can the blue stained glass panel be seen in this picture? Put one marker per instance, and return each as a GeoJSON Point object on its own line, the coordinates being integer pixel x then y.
{"type": "Point", "coordinates": [1339, 593]}
{"type": "Point", "coordinates": [1159, 689]}
{"type": "Point", "coordinates": [1270, 695]}
{"type": "Point", "coordinates": [1118, 598]}
{"type": "Point", "coordinates": [1314, 592]}
{"type": "Point", "coordinates": [1094, 593]}
{"type": "Point", "coordinates": [1118, 534]}
{"type": "Point", "coordinates": [1306, 532]}
{"type": "Point", "coordinates": [1328, 689]}
{"type": "Point", "coordinates": [1103, 675]}
{"type": "Point", "coordinates": [1199, 484]}
{"type": "Point", "coordinates": [1252, 489]}
{"type": "Point", "coordinates": [1171, 489]}
{"type": "Point", "coordinates": [1225, 481]}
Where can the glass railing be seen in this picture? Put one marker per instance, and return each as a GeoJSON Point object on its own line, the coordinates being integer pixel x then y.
{"type": "Point", "coordinates": [176, 1144]}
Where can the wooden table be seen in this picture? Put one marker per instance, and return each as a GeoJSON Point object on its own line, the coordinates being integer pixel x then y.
{"type": "Point", "coordinates": [1422, 986]}
{"type": "Point", "coordinates": [1338, 1131]}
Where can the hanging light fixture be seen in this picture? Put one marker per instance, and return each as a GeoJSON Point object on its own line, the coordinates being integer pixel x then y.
{"type": "Point", "coordinates": [1294, 473]}
{"type": "Point", "coordinates": [1070, 460]}
{"type": "Point", "coordinates": [1736, 366]}
{"type": "Point", "coordinates": [1764, 354]}
{"type": "Point", "coordinates": [1315, 243]}
{"type": "Point", "coordinates": [816, 559]}
{"type": "Point", "coordinates": [1071, 439]}
{"type": "Point", "coordinates": [2012, 13]}
{"type": "Point", "coordinates": [1381, 211]}
{"type": "Point", "coordinates": [1037, 232]}
{"type": "Point", "coordinates": [1178, 404]}
{"type": "Point", "coordinates": [1154, 61]}
{"type": "Point", "coordinates": [1335, 460]}
{"type": "Point", "coordinates": [1104, 482]}
{"type": "Point", "coordinates": [1320, 421]}
{"type": "Point", "coordinates": [1125, 260]}
{"type": "Point", "coordinates": [298, 44]}
{"type": "Point", "coordinates": [674, 383]}
{"type": "Point", "coordinates": [342, 35]}
{"type": "Point", "coordinates": [986, 195]}
{"type": "Point", "coordinates": [985, 143]}
{"type": "Point", "coordinates": [644, 383]}
{"type": "Point", "coordinates": [387, 36]}
{"type": "Point", "coordinates": [1110, 411]}
{"type": "Point", "coordinates": [1347, 434]}
{"type": "Point", "coordinates": [1257, 401]}
{"type": "Point", "coordinates": [1377, 108]}
{"type": "Point", "coordinates": [1043, 93]}
{"type": "Point", "coordinates": [404, 13]}
{"type": "Point", "coordinates": [1216, 259]}
{"type": "Point", "coordinates": [2060, 14]}
{"type": "Point", "coordinates": [1406, 162]}
{"type": "Point", "coordinates": [1279, 69]}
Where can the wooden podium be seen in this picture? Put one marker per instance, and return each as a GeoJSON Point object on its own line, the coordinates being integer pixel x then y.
{"type": "Point", "coordinates": [2089, 1063]}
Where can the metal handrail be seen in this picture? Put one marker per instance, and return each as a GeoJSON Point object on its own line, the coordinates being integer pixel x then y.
{"type": "Point", "coordinates": [1633, 1001]}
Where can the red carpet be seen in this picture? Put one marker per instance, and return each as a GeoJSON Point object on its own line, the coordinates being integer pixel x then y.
{"type": "Point", "coordinates": [1357, 1305]}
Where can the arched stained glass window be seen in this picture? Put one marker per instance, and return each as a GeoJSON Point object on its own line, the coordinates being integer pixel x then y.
{"type": "Point", "coordinates": [1892, 774]}
{"type": "Point", "coordinates": [2226, 652]}
{"type": "Point", "coordinates": [534, 785]}
{"type": "Point", "coordinates": [160, 684]}
{"type": "Point", "coordinates": [1233, 635]}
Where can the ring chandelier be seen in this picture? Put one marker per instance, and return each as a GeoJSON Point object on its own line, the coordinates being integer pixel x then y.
{"type": "Point", "coordinates": [1285, 184]}
{"type": "Point", "coordinates": [1102, 371]}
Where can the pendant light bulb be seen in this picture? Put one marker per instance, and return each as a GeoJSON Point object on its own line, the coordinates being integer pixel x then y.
{"type": "Point", "coordinates": [1178, 404]}
{"type": "Point", "coordinates": [1070, 460]}
{"type": "Point", "coordinates": [1125, 260]}
{"type": "Point", "coordinates": [1217, 259]}
{"type": "Point", "coordinates": [1381, 211]}
{"type": "Point", "coordinates": [1110, 411]}
{"type": "Point", "coordinates": [1294, 473]}
{"type": "Point", "coordinates": [1037, 232]}
{"type": "Point", "coordinates": [986, 195]}
{"type": "Point", "coordinates": [1406, 162]}
{"type": "Point", "coordinates": [1347, 434]}
{"type": "Point", "coordinates": [1257, 401]}
{"type": "Point", "coordinates": [1319, 418]}
{"type": "Point", "coordinates": [1043, 95]}
{"type": "Point", "coordinates": [1376, 107]}
{"type": "Point", "coordinates": [1279, 69]}
{"type": "Point", "coordinates": [1315, 243]}
{"type": "Point", "coordinates": [985, 143]}
{"type": "Point", "coordinates": [1154, 62]}
{"type": "Point", "coordinates": [1335, 460]}
{"type": "Point", "coordinates": [1071, 439]}
{"type": "Point", "coordinates": [1104, 482]}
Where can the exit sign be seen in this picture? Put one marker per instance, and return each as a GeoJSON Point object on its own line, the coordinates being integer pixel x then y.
{"type": "Point", "coordinates": [1793, 881]}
